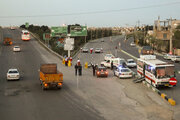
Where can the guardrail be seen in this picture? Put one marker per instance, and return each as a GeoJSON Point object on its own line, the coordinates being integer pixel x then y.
{"type": "Point", "coordinates": [50, 50]}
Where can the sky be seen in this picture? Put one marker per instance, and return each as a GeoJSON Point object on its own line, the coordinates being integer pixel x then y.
{"type": "Point", "coordinates": [113, 13]}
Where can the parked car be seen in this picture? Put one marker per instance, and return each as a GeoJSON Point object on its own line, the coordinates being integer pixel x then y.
{"type": "Point", "coordinates": [116, 62]}
{"type": "Point", "coordinates": [12, 28]}
{"type": "Point", "coordinates": [132, 44]}
{"type": "Point", "coordinates": [13, 74]}
{"type": "Point", "coordinates": [167, 56]}
{"type": "Point", "coordinates": [16, 49]}
{"type": "Point", "coordinates": [130, 63]}
{"type": "Point", "coordinates": [85, 50]}
{"type": "Point", "coordinates": [175, 58]}
{"type": "Point", "coordinates": [122, 72]}
{"type": "Point", "coordinates": [98, 50]}
{"type": "Point", "coordinates": [101, 72]}
{"type": "Point", "coordinates": [108, 57]}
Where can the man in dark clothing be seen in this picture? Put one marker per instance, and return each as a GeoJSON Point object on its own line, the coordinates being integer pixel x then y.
{"type": "Point", "coordinates": [80, 70]}
{"type": "Point", "coordinates": [94, 69]}
{"type": "Point", "coordinates": [111, 65]}
{"type": "Point", "coordinates": [76, 68]}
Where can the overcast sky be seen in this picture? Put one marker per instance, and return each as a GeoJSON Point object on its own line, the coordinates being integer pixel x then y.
{"type": "Point", "coordinates": [67, 12]}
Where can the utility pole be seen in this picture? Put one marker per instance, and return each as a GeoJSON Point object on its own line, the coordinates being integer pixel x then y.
{"type": "Point", "coordinates": [171, 34]}
{"type": "Point", "coordinates": [91, 34]}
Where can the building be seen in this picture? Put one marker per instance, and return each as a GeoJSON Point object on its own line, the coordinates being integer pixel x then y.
{"type": "Point", "coordinates": [162, 29]}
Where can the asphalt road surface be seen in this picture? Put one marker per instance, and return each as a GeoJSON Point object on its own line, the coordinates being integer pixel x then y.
{"type": "Point", "coordinates": [82, 97]}
{"type": "Point", "coordinates": [24, 99]}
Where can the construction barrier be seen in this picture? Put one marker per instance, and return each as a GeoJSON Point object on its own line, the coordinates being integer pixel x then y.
{"type": "Point", "coordinates": [69, 63]}
{"type": "Point", "coordinates": [63, 61]}
{"type": "Point", "coordinates": [164, 96]}
{"type": "Point", "coordinates": [86, 65]}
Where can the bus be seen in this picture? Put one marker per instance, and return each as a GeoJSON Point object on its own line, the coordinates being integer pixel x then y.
{"type": "Point", "coordinates": [156, 72]}
{"type": "Point", "coordinates": [25, 35]}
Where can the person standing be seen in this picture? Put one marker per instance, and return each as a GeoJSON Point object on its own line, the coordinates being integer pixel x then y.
{"type": "Point", "coordinates": [111, 65]}
{"type": "Point", "coordinates": [80, 70]}
{"type": "Point", "coordinates": [94, 69]}
{"type": "Point", "coordinates": [76, 68]}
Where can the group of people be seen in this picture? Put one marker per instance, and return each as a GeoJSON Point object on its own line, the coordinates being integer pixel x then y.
{"type": "Point", "coordinates": [67, 59]}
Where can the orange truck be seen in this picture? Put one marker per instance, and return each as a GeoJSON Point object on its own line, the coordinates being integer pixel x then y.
{"type": "Point", "coordinates": [7, 39]}
{"type": "Point", "coordinates": [50, 77]}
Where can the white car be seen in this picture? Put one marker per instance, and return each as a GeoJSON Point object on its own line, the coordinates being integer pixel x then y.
{"type": "Point", "coordinates": [85, 49]}
{"type": "Point", "coordinates": [175, 58]}
{"type": "Point", "coordinates": [13, 74]}
{"type": "Point", "coordinates": [167, 56]}
{"type": "Point", "coordinates": [12, 28]}
{"type": "Point", "coordinates": [130, 63]}
{"type": "Point", "coordinates": [123, 72]}
{"type": "Point", "coordinates": [132, 44]}
{"type": "Point", "coordinates": [108, 57]}
{"type": "Point", "coordinates": [16, 49]}
{"type": "Point", "coordinates": [98, 50]}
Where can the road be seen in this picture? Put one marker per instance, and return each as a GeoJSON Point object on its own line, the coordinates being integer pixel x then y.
{"type": "Point", "coordinates": [24, 99]}
{"type": "Point", "coordinates": [82, 97]}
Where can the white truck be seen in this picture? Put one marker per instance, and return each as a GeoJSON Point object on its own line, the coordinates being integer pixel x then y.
{"type": "Point", "coordinates": [116, 62]}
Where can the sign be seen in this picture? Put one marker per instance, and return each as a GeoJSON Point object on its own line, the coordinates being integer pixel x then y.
{"type": "Point", "coordinates": [78, 31]}
{"type": "Point", "coordinates": [46, 36]}
{"type": "Point", "coordinates": [68, 47]}
{"type": "Point", "coordinates": [26, 24]}
{"type": "Point", "coordinates": [59, 31]}
{"type": "Point", "coordinates": [172, 81]}
{"type": "Point", "coordinates": [69, 41]}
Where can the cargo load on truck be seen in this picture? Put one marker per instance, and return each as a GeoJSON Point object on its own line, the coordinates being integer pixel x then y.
{"type": "Point", "coordinates": [50, 77]}
{"type": "Point", "coordinates": [7, 39]}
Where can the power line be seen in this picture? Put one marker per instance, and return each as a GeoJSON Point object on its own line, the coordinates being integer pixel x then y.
{"type": "Point", "coordinates": [96, 12]}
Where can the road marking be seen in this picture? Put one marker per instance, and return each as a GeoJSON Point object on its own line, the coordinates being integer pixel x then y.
{"type": "Point", "coordinates": [129, 54]}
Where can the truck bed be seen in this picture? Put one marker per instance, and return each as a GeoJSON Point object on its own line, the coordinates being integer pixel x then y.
{"type": "Point", "coordinates": [51, 78]}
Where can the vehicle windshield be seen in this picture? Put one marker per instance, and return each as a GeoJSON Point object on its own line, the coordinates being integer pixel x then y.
{"type": "Point", "coordinates": [165, 72]}
{"type": "Point", "coordinates": [104, 69]}
{"type": "Point", "coordinates": [121, 62]}
{"type": "Point", "coordinates": [109, 55]}
{"type": "Point", "coordinates": [125, 70]}
{"type": "Point", "coordinates": [14, 71]}
{"type": "Point", "coordinates": [16, 47]}
{"type": "Point", "coordinates": [130, 61]}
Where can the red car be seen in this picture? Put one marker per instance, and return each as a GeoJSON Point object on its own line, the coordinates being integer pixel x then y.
{"type": "Point", "coordinates": [102, 72]}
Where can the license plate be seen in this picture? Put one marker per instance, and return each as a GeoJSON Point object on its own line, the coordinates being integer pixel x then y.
{"type": "Point", "coordinates": [166, 85]}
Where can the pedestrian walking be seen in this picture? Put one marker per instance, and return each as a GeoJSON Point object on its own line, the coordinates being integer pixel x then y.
{"type": "Point", "coordinates": [112, 65]}
{"type": "Point", "coordinates": [76, 69]}
{"type": "Point", "coordinates": [94, 69]}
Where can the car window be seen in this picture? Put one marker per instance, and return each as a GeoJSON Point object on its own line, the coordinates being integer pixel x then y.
{"type": "Point", "coordinates": [13, 71]}
{"type": "Point", "coordinates": [130, 61]}
{"type": "Point", "coordinates": [125, 70]}
{"type": "Point", "coordinates": [104, 69]}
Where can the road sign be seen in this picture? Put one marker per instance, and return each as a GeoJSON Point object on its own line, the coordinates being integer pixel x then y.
{"type": "Point", "coordinates": [26, 24]}
{"type": "Point", "coordinates": [68, 47]}
{"type": "Point", "coordinates": [46, 36]}
{"type": "Point", "coordinates": [69, 41]}
{"type": "Point", "coordinates": [173, 81]}
{"type": "Point", "coordinates": [59, 31]}
{"type": "Point", "coordinates": [78, 31]}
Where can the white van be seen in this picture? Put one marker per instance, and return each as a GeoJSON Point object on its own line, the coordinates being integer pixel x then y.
{"type": "Point", "coordinates": [116, 62]}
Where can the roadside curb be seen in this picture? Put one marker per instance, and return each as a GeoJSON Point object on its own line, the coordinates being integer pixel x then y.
{"type": "Point", "coordinates": [50, 50]}
{"type": "Point", "coordinates": [163, 95]}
